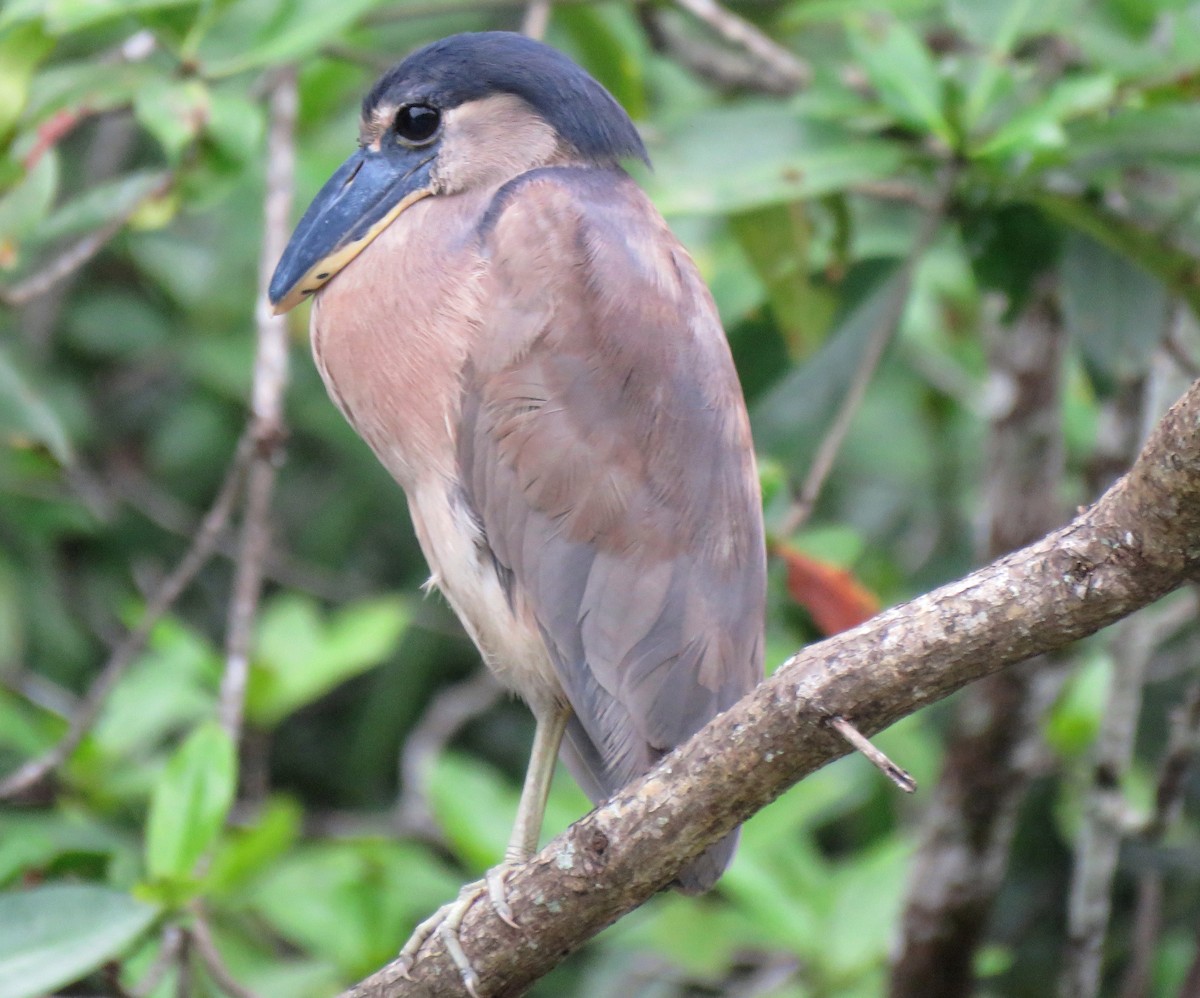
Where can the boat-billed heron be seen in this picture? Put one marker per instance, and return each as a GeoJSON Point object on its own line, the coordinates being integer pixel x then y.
{"type": "Point", "coordinates": [507, 321]}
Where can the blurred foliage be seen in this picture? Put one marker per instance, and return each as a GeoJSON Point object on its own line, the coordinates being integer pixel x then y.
{"type": "Point", "coordinates": [1071, 133]}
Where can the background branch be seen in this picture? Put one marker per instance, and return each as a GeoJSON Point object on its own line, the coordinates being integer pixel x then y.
{"type": "Point", "coordinates": [883, 334]}
{"type": "Point", "coordinates": [266, 424]}
{"type": "Point", "coordinates": [88, 709]}
{"type": "Point", "coordinates": [994, 750]}
{"type": "Point", "coordinates": [739, 32]}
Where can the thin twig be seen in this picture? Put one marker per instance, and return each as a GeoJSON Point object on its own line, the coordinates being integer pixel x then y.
{"type": "Point", "coordinates": [79, 253]}
{"type": "Point", "coordinates": [1147, 925]}
{"type": "Point", "coordinates": [745, 35]}
{"type": "Point", "coordinates": [889, 324]}
{"type": "Point", "coordinates": [1182, 747]}
{"type": "Point", "coordinates": [445, 716]}
{"type": "Point", "coordinates": [22, 681]}
{"type": "Point", "coordinates": [197, 555]}
{"type": "Point", "coordinates": [718, 64]}
{"type": "Point", "coordinates": [902, 778]}
{"type": "Point", "coordinates": [210, 956]}
{"type": "Point", "coordinates": [1178, 351]}
{"type": "Point", "coordinates": [896, 190]}
{"type": "Point", "coordinates": [183, 978]}
{"type": "Point", "coordinates": [1104, 826]}
{"type": "Point", "coordinates": [145, 496]}
{"type": "Point", "coordinates": [53, 130]}
{"type": "Point", "coordinates": [266, 419]}
{"type": "Point", "coordinates": [537, 17]}
{"type": "Point", "coordinates": [168, 954]}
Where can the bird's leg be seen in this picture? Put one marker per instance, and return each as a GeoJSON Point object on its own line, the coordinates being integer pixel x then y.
{"type": "Point", "coordinates": [522, 843]}
{"type": "Point", "coordinates": [551, 723]}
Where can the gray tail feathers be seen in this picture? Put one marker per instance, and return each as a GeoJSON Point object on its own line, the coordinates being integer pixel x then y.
{"type": "Point", "coordinates": [600, 782]}
{"type": "Point", "coordinates": [702, 872]}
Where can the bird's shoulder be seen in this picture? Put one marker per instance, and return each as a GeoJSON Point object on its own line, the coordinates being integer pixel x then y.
{"type": "Point", "coordinates": [585, 194]}
{"type": "Point", "coordinates": [594, 220]}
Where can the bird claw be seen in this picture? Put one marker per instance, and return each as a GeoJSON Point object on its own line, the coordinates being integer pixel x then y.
{"type": "Point", "coordinates": [449, 937]}
{"type": "Point", "coordinates": [497, 889]}
{"type": "Point", "coordinates": [445, 923]}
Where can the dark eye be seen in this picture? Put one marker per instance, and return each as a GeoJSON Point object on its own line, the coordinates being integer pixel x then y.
{"type": "Point", "coordinates": [417, 122]}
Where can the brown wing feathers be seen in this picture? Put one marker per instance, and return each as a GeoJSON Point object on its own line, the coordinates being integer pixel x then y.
{"type": "Point", "coordinates": [605, 451]}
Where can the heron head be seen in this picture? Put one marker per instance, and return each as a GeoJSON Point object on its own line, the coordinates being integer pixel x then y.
{"type": "Point", "coordinates": [468, 111]}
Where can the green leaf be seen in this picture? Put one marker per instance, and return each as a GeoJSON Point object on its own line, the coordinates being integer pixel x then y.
{"type": "Point", "coordinates": [818, 11]}
{"type": "Point", "coordinates": [1128, 51]}
{"type": "Point", "coordinates": [300, 657]}
{"type": "Point", "coordinates": [25, 415]}
{"type": "Point", "coordinates": [17, 11]}
{"type": "Point", "coordinates": [297, 32]}
{"type": "Point", "coordinates": [1010, 247]}
{"type": "Point", "coordinates": [806, 395]}
{"type": "Point", "coordinates": [25, 206]}
{"type": "Point", "coordinates": [793, 157]}
{"type": "Point", "coordinates": [26, 729]}
{"type": "Point", "coordinates": [1040, 126]}
{"type": "Point", "coordinates": [903, 73]}
{"type": "Point", "coordinates": [702, 940]}
{"type": "Point", "coordinates": [65, 16]}
{"type": "Point", "coordinates": [1164, 136]}
{"type": "Point", "coordinates": [45, 841]}
{"type": "Point", "coordinates": [868, 901]}
{"type": "Point", "coordinates": [1115, 311]}
{"type": "Point", "coordinates": [190, 803]}
{"type": "Point", "coordinates": [1174, 267]}
{"type": "Point", "coordinates": [997, 26]}
{"type": "Point", "coordinates": [168, 690]}
{"type": "Point", "coordinates": [96, 85]}
{"type": "Point", "coordinates": [609, 48]}
{"type": "Point", "coordinates": [118, 324]}
{"type": "Point", "coordinates": [55, 934]}
{"type": "Point", "coordinates": [249, 850]}
{"type": "Point", "coordinates": [235, 125]}
{"type": "Point", "coordinates": [777, 240]}
{"type": "Point", "coordinates": [1074, 721]}
{"type": "Point", "coordinates": [474, 805]}
{"type": "Point", "coordinates": [352, 902]}
{"type": "Point", "coordinates": [99, 205]}
{"type": "Point", "coordinates": [21, 49]}
{"type": "Point", "coordinates": [174, 114]}
{"type": "Point", "coordinates": [12, 627]}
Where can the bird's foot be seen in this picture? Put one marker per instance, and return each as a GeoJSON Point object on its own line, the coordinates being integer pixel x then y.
{"type": "Point", "coordinates": [446, 921]}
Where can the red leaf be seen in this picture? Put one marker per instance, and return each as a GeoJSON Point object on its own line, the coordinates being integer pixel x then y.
{"type": "Point", "coordinates": [52, 131]}
{"type": "Point", "coordinates": [834, 598]}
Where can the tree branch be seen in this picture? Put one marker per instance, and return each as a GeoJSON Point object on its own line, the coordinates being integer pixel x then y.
{"type": "Point", "coordinates": [1139, 542]}
{"type": "Point", "coordinates": [1105, 820]}
{"type": "Point", "coordinates": [266, 419]}
{"type": "Point", "coordinates": [993, 750]}
{"type": "Point", "coordinates": [741, 33]}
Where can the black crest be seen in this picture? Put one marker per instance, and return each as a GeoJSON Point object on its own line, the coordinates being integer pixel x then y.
{"type": "Point", "coordinates": [468, 67]}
